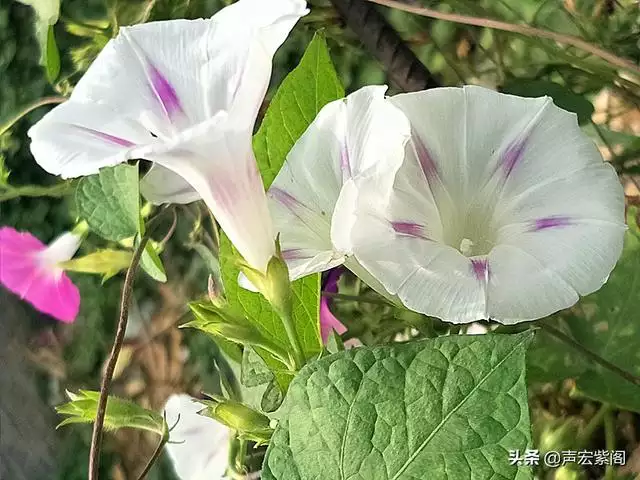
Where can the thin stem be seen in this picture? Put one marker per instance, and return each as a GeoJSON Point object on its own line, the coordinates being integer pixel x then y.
{"type": "Point", "coordinates": [57, 190]}
{"type": "Point", "coordinates": [356, 298]}
{"type": "Point", "coordinates": [560, 335]}
{"type": "Point", "coordinates": [28, 109]}
{"type": "Point", "coordinates": [127, 289]}
{"type": "Point", "coordinates": [592, 426]}
{"type": "Point", "coordinates": [514, 28]}
{"type": "Point", "coordinates": [610, 443]}
{"type": "Point", "coordinates": [154, 458]}
{"type": "Point", "coordinates": [294, 340]}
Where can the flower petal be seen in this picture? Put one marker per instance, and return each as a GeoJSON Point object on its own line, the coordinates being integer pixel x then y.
{"type": "Point", "coordinates": [198, 446]}
{"type": "Point", "coordinates": [521, 288]}
{"type": "Point", "coordinates": [174, 73]}
{"type": "Point", "coordinates": [76, 139]}
{"type": "Point", "coordinates": [427, 277]}
{"type": "Point", "coordinates": [161, 185]}
{"type": "Point", "coordinates": [312, 200]}
{"type": "Point", "coordinates": [23, 273]}
{"type": "Point", "coordinates": [328, 321]}
{"type": "Point", "coordinates": [221, 168]}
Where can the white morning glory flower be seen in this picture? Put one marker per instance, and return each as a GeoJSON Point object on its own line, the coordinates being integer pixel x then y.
{"type": "Point", "coordinates": [312, 199]}
{"type": "Point", "coordinates": [198, 446]}
{"type": "Point", "coordinates": [503, 209]}
{"type": "Point", "coordinates": [184, 94]}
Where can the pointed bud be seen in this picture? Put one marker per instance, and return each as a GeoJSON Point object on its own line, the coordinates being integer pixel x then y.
{"type": "Point", "coordinates": [274, 285]}
{"type": "Point", "coordinates": [248, 422]}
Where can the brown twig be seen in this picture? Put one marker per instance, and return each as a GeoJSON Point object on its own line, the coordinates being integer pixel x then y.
{"type": "Point", "coordinates": [154, 458]}
{"type": "Point", "coordinates": [514, 28]}
{"type": "Point", "coordinates": [403, 67]}
{"type": "Point", "coordinates": [96, 436]}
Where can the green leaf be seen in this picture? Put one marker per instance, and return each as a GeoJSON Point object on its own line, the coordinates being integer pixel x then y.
{"type": "Point", "coordinates": [253, 306]}
{"type": "Point", "coordinates": [445, 408]}
{"type": "Point", "coordinates": [334, 342]}
{"type": "Point", "coordinates": [551, 360]}
{"type": "Point", "coordinates": [107, 262]}
{"type": "Point", "coordinates": [110, 201]}
{"type": "Point", "coordinates": [47, 13]}
{"type": "Point", "coordinates": [605, 323]}
{"type": "Point", "coordinates": [562, 96]}
{"type": "Point", "coordinates": [272, 397]}
{"type": "Point", "coordinates": [308, 88]}
{"type": "Point", "coordinates": [51, 56]}
{"type": "Point", "coordinates": [254, 370]}
{"type": "Point", "coordinates": [151, 263]}
{"type": "Point", "coordinates": [120, 413]}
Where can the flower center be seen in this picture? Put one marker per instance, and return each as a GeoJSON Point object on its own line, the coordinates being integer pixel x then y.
{"type": "Point", "coordinates": [471, 233]}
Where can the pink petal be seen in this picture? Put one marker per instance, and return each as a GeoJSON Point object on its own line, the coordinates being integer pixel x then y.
{"type": "Point", "coordinates": [50, 292]}
{"type": "Point", "coordinates": [59, 297]}
{"type": "Point", "coordinates": [19, 242]}
{"type": "Point", "coordinates": [328, 321]}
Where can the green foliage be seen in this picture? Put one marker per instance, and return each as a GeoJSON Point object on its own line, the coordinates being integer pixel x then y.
{"type": "Point", "coordinates": [447, 408]}
{"type": "Point", "coordinates": [110, 201]}
{"type": "Point", "coordinates": [107, 262]}
{"type": "Point", "coordinates": [334, 342]}
{"type": "Point", "coordinates": [151, 263]}
{"type": "Point", "coordinates": [120, 413]}
{"type": "Point", "coordinates": [606, 324]}
{"type": "Point", "coordinates": [47, 13]}
{"type": "Point", "coordinates": [253, 306]}
{"type": "Point", "coordinates": [550, 359]}
{"type": "Point", "coordinates": [224, 323]}
{"type": "Point", "coordinates": [249, 423]}
{"type": "Point", "coordinates": [561, 95]}
{"type": "Point", "coordinates": [309, 87]}
{"type": "Point", "coordinates": [254, 371]}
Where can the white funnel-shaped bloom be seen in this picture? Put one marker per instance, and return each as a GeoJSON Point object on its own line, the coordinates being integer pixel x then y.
{"type": "Point", "coordinates": [183, 94]}
{"type": "Point", "coordinates": [503, 209]}
{"type": "Point", "coordinates": [312, 200]}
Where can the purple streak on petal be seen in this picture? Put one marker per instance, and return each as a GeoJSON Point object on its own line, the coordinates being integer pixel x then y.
{"type": "Point", "coordinates": [480, 267]}
{"type": "Point", "coordinates": [512, 155]}
{"type": "Point", "coordinates": [122, 142]}
{"type": "Point", "coordinates": [285, 198]}
{"type": "Point", "coordinates": [345, 165]}
{"type": "Point", "coordinates": [328, 321]}
{"type": "Point", "coordinates": [550, 222]}
{"type": "Point", "coordinates": [293, 254]}
{"type": "Point", "coordinates": [428, 165]}
{"type": "Point", "coordinates": [409, 228]}
{"type": "Point", "coordinates": [165, 92]}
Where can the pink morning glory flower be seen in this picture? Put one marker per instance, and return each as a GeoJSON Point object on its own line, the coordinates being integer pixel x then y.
{"type": "Point", "coordinates": [31, 269]}
{"type": "Point", "coordinates": [183, 94]}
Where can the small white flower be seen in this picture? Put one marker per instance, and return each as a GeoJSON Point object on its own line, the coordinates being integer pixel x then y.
{"type": "Point", "coordinates": [312, 200]}
{"type": "Point", "coordinates": [184, 94]}
{"type": "Point", "coordinates": [503, 209]}
{"type": "Point", "coordinates": [198, 445]}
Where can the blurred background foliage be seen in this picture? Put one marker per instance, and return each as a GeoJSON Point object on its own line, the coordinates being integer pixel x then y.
{"type": "Point", "coordinates": [159, 359]}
